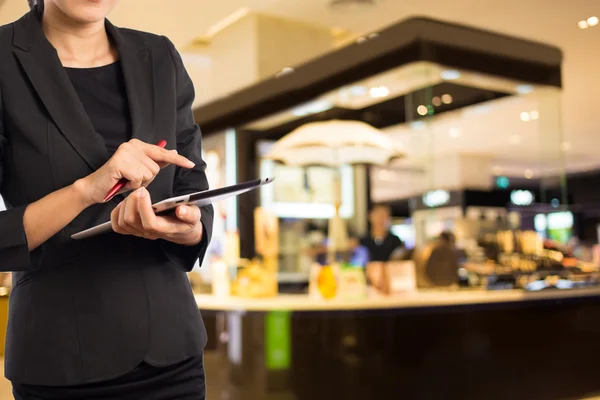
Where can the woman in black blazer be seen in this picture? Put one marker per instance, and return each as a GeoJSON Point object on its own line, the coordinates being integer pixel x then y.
{"type": "Point", "coordinates": [81, 104]}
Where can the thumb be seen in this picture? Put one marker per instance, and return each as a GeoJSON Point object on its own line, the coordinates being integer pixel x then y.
{"type": "Point", "coordinates": [190, 215]}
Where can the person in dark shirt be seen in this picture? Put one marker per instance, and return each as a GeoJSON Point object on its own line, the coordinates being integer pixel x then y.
{"type": "Point", "coordinates": [380, 242]}
{"type": "Point", "coordinates": [82, 103]}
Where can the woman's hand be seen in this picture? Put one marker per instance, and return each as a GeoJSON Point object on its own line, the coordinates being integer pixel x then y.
{"type": "Point", "coordinates": [136, 161]}
{"type": "Point", "coordinates": [134, 216]}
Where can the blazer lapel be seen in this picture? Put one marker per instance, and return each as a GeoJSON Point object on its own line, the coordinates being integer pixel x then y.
{"type": "Point", "coordinates": [49, 79]}
{"type": "Point", "coordinates": [138, 71]}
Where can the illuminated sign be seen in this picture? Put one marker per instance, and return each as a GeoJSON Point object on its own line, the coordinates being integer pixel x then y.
{"type": "Point", "coordinates": [560, 220]}
{"type": "Point", "coordinates": [557, 220]}
{"type": "Point", "coordinates": [436, 198]}
{"type": "Point", "coordinates": [540, 222]}
{"type": "Point", "coordinates": [521, 197]}
{"type": "Point", "coordinates": [502, 182]}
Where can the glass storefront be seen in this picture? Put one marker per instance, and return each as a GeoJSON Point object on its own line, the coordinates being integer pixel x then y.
{"type": "Point", "coordinates": [219, 153]}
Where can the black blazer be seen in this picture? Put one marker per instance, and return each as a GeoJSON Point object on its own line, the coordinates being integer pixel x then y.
{"type": "Point", "coordinates": [85, 311]}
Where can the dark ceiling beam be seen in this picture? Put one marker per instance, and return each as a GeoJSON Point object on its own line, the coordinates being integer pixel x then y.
{"type": "Point", "coordinates": [416, 39]}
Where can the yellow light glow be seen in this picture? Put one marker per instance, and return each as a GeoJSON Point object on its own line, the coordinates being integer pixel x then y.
{"type": "Point", "coordinates": [228, 21]}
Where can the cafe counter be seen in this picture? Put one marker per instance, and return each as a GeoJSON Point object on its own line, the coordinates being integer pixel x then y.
{"type": "Point", "coordinates": [417, 299]}
{"type": "Point", "coordinates": [467, 344]}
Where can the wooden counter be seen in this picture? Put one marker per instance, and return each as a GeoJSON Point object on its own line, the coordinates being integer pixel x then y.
{"type": "Point", "coordinates": [466, 344]}
{"type": "Point", "coordinates": [419, 299]}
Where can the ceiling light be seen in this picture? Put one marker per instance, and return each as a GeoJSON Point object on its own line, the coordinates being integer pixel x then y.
{"type": "Point", "coordinates": [379, 92]}
{"type": "Point", "coordinates": [450, 74]}
{"type": "Point", "coordinates": [358, 90]}
{"type": "Point", "coordinates": [524, 89]}
{"type": "Point", "coordinates": [514, 139]}
{"type": "Point", "coordinates": [436, 101]}
{"type": "Point", "coordinates": [361, 40]}
{"type": "Point", "coordinates": [529, 116]}
{"type": "Point", "coordinates": [374, 35]}
{"type": "Point", "coordinates": [528, 174]}
{"type": "Point", "coordinates": [582, 24]}
{"type": "Point", "coordinates": [422, 110]}
{"type": "Point", "coordinates": [228, 21]}
{"type": "Point", "coordinates": [284, 71]}
{"type": "Point", "coordinates": [521, 197]}
{"type": "Point", "coordinates": [592, 21]}
{"type": "Point", "coordinates": [446, 99]}
{"type": "Point", "coordinates": [312, 108]}
{"type": "Point", "coordinates": [436, 198]}
{"type": "Point", "coordinates": [454, 132]}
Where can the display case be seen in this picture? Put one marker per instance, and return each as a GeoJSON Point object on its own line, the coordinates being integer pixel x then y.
{"type": "Point", "coordinates": [468, 130]}
{"type": "Point", "coordinates": [219, 153]}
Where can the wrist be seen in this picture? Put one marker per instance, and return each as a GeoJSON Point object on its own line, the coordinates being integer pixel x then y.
{"type": "Point", "coordinates": [80, 190]}
{"type": "Point", "coordinates": [193, 238]}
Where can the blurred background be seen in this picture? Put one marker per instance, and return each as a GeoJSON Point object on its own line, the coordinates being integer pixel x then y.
{"type": "Point", "coordinates": [433, 231]}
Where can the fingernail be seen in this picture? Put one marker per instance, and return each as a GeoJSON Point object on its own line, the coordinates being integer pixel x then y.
{"type": "Point", "coordinates": [191, 164]}
{"type": "Point", "coordinates": [183, 212]}
{"type": "Point", "coordinates": [173, 151]}
{"type": "Point", "coordinates": [141, 193]}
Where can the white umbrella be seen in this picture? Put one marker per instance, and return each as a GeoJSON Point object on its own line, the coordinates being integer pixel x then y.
{"type": "Point", "coordinates": [335, 143]}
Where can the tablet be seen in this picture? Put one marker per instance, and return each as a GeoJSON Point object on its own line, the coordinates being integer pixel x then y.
{"type": "Point", "coordinates": [199, 198]}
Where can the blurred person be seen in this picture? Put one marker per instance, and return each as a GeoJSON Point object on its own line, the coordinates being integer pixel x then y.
{"type": "Point", "coordinates": [437, 262]}
{"type": "Point", "coordinates": [316, 242]}
{"type": "Point", "coordinates": [381, 243]}
{"type": "Point", "coordinates": [81, 104]}
{"type": "Point", "coordinates": [447, 238]}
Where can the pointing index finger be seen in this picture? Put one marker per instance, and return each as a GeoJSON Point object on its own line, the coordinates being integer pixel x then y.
{"type": "Point", "coordinates": [161, 155]}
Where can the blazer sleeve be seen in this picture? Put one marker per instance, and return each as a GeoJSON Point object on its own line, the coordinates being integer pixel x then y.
{"type": "Point", "coordinates": [189, 144]}
{"type": "Point", "coordinates": [14, 250]}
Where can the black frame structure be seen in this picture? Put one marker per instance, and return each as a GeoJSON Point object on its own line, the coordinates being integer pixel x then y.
{"type": "Point", "coordinates": [415, 39]}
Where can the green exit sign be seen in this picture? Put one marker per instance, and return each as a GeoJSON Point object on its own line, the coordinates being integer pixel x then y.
{"type": "Point", "coordinates": [278, 336]}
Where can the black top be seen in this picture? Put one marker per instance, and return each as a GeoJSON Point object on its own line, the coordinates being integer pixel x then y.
{"type": "Point", "coordinates": [104, 97]}
{"type": "Point", "coordinates": [381, 250]}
